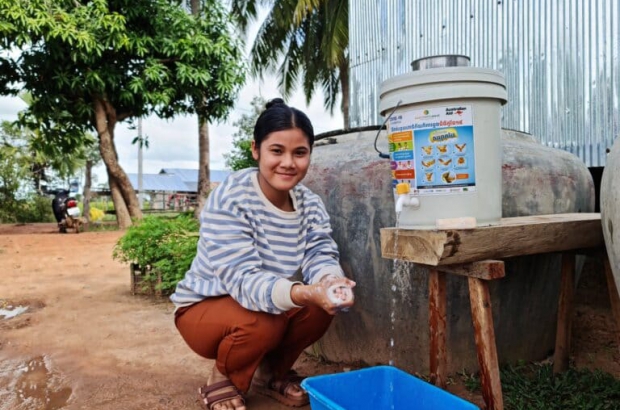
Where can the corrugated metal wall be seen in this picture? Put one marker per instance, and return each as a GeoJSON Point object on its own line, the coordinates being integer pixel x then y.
{"type": "Point", "coordinates": [560, 59]}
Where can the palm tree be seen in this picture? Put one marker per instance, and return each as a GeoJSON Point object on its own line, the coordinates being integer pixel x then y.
{"type": "Point", "coordinates": [305, 42]}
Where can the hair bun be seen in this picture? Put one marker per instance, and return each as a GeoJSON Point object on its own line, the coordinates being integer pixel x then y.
{"type": "Point", "coordinates": [275, 101]}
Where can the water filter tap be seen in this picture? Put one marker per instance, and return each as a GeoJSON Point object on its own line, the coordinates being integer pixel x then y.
{"type": "Point", "coordinates": [404, 198]}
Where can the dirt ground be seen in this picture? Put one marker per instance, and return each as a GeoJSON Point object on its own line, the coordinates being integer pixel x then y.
{"type": "Point", "coordinates": [86, 343]}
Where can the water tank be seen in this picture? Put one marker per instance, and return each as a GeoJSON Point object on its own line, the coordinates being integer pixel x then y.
{"type": "Point", "coordinates": [355, 184]}
{"type": "Point", "coordinates": [444, 142]}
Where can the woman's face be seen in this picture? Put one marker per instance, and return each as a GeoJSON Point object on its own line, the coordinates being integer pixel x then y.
{"type": "Point", "coordinates": [283, 160]}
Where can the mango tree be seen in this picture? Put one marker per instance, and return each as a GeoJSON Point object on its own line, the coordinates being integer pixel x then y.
{"type": "Point", "coordinates": [90, 64]}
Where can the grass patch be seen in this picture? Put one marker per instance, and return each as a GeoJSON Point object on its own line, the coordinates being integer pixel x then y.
{"type": "Point", "coordinates": [108, 223]}
{"type": "Point", "coordinates": [109, 218]}
{"type": "Point", "coordinates": [102, 227]}
{"type": "Point", "coordinates": [533, 386]}
{"type": "Point", "coordinates": [167, 214]}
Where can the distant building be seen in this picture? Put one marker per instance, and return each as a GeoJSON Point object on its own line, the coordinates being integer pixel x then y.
{"type": "Point", "coordinates": [174, 188]}
{"type": "Point", "coordinates": [190, 176]}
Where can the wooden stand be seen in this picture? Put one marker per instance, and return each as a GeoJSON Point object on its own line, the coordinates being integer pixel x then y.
{"type": "Point", "coordinates": [474, 253]}
{"type": "Point", "coordinates": [139, 285]}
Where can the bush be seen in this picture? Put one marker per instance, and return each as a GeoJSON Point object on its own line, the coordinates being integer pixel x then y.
{"type": "Point", "coordinates": [102, 204]}
{"type": "Point", "coordinates": [37, 208]}
{"type": "Point", "coordinates": [34, 208]}
{"type": "Point", "coordinates": [160, 246]}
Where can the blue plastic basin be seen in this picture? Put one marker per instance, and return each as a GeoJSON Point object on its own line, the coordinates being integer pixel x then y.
{"type": "Point", "coordinates": [380, 387]}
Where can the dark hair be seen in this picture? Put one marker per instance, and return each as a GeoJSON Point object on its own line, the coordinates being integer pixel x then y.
{"type": "Point", "coordinates": [279, 117]}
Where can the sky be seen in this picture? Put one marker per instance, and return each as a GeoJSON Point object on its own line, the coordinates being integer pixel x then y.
{"type": "Point", "coordinates": [174, 143]}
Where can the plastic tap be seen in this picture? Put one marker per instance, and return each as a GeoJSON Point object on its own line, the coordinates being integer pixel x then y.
{"type": "Point", "coordinates": [404, 199]}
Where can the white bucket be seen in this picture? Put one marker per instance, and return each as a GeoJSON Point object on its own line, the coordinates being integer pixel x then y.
{"type": "Point", "coordinates": [444, 135]}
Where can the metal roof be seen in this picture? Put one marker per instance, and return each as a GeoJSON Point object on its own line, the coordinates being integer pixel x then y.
{"type": "Point", "coordinates": [174, 180]}
{"type": "Point", "coordinates": [160, 182]}
{"type": "Point", "coordinates": [191, 175]}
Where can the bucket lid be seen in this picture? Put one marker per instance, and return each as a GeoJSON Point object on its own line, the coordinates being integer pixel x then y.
{"type": "Point", "coordinates": [444, 75]}
{"type": "Point", "coordinates": [469, 82]}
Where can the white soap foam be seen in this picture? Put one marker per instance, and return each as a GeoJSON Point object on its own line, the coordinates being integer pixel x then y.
{"type": "Point", "coordinates": [332, 293]}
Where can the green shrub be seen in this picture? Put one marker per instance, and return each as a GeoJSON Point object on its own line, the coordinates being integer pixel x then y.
{"type": "Point", "coordinates": [102, 204]}
{"type": "Point", "coordinates": [31, 209]}
{"type": "Point", "coordinates": [164, 246]}
{"type": "Point", "coordinates": [36, 208]}
{"type": "Point", "coordinates": [8, 211]}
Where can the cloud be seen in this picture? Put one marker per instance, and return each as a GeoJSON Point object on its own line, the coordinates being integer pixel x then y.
{"type": "Point", "coordinates": [9, 107]}
{"type": "Point", "coordinates": [174, 144]}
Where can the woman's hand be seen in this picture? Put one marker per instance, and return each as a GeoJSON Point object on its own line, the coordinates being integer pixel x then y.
{"type": "Point", "coordinates": [332, 294]}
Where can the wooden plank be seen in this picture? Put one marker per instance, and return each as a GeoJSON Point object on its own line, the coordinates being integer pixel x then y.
{"type": "Point", "coordinates": [487, 270]}
{"type": "Point", "coordinates": [482, 319]}
{"type": "Point", "coordinates": [614, 296]}
{"type": "Point", "coordinates": [565, 314]}
{"type": "Point", "coordinates": [511, 237]}
{"type": "Point", "coordinates": [437, 325]}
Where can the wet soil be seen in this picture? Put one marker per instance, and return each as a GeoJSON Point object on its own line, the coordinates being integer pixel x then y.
{"type": "Point", "coordinates": [86, 343]}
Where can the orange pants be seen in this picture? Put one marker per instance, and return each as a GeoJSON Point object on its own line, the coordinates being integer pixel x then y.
{"type": "Point", "coordinates": [239, 339]}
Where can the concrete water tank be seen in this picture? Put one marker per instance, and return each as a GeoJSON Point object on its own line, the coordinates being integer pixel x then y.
{"type": "Point", "coordinates": [610, 210]}
{"type": "Point", "coordinates": [356, 187]}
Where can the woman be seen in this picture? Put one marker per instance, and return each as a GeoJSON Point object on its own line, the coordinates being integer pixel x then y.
{"type": "Point", "coordinates": [237, 304]}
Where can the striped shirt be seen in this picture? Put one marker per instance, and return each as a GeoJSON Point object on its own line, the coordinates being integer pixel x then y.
{"type": "Point", "coordinates": [249, 248]}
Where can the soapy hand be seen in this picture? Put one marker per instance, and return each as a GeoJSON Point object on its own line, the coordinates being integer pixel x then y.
{"type": "Point", "coordinates": [339, 293]}
{"type": "Point", "coordinates": [332, 294]}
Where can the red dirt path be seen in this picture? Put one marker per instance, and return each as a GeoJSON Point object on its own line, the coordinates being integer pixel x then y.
{"type": "Point", "coordinates": [87, 343]}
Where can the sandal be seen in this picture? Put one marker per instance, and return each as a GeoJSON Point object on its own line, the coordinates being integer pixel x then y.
{"type": "Point", "coordinates": [213, 399]}
{"type": "Point", "coordinates": [279, 390]}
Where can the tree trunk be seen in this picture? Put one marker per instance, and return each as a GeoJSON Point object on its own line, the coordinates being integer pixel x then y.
{"type": "Point", "coordinates": [344, 87]}
{"type": "Point", "coordinates": [204, 177]}
{"type": "Point", "coordinates": [195, 7]}
{"type": "Point", "coordinates": [204, 174]}
{"type": "Point", "coordinates": [122, 214]}
{"type": "Point", "coordinates": [105, 121]}
{"type": "Point", "coordinates": [88, 179]}
{"type": "Point", "coordinates": [37, 175]}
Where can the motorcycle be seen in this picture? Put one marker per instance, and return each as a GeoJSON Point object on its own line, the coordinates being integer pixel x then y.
{"type": "Point", "coordinates": [67, 212]}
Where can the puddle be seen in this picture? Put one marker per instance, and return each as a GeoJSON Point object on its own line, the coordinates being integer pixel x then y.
{"type": "Point", "coordinates": [31, 385]}
{"type": "Point", "coordinates": [16, 314]}
{"type": "Point", "coordinates": [11, 311]}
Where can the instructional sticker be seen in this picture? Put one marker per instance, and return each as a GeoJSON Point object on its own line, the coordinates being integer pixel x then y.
{"type": "Point", "coordinates": [433, 149]}
{"type": "Point", "coordinates": [402, 157]}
